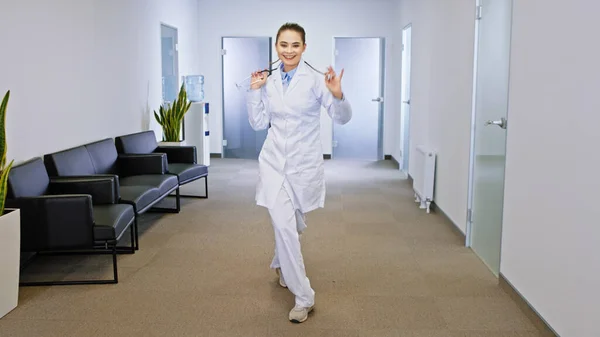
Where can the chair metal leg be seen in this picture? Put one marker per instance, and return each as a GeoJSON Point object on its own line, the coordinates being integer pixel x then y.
{"type": "Point", "coordinates": [177, 208]}
{"type": "Point", "coordinates": [115, 279]}
{"type": "Point", "coordinates": [137, 235]}
{"type": "Point", "coordinates": [205, 196]}
{"type": "Point", "coordinates": [178, 199]}
{"type": "Point", "coordinates": [115, 270]}
{"type": "Point", "coordinates": [134, 233]}
{"type": "Point", "coordinates": [133, 246]}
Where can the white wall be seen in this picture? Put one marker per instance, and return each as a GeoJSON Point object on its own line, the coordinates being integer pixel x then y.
{"type": "Point", "coordinates": [551, 233]}
{"type": "Point", "coordinates": [551, 237]}
{"type": "Point", "coordinates": [83, 70]}
{"type": "Point", "coordinates": [322, 20]}
{"type": "Point", "coordinates": [441, 91]}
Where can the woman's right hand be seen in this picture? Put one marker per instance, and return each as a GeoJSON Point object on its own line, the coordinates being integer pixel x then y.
{"type": "Point", "coordinates": [258, 79]}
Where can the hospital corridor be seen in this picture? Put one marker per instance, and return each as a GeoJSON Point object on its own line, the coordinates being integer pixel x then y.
{"type": "Point", "coordinates": [380, 266]}
{"type": "Point", "coordinates": [299, 168]}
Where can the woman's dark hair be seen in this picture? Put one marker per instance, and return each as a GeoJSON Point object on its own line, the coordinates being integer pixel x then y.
{"type": "Point", "coordinates": [294, 27]}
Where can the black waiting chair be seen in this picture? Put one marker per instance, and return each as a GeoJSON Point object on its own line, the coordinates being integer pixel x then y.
{"type": "Point", "coordinates": [68, 215]}
{"type": "Point", "coordinates": [181, 160]}
{"type": "Point", "coordinates": [140, 180]}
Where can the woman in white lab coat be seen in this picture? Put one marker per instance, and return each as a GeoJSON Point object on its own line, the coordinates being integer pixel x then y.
{"type": "Point", "coordinates": [291, 179]}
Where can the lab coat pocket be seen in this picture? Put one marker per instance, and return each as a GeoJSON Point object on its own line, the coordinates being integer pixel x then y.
{"type": "Point", "coordinates": [311, 169]}
{"type": "Point", "coordinates": [304, 99]}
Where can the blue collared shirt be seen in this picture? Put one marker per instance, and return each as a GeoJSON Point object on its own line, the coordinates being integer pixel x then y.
{"type": "Point", "coordinates": [286, 78]}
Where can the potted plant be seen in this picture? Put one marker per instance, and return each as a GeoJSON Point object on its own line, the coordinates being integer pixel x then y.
{"type": "Point", "coordinates": [10, 229]}
{"type": "Point", "coordinates": [170, 117]}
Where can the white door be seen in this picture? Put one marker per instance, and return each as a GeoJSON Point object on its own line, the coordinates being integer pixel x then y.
{"type": "Point", "coordinates": [488, 132]}
{"type": "Point", "coordinates": [170, 68]}
{"type": "Point", "coordinates": [362, 60]}
{"type": "Point", "coordinates": [170, 62]}
{"type": "Point", "coordinates": [405, 95]}
{"type": "Point", "coordinates": [241, 56]}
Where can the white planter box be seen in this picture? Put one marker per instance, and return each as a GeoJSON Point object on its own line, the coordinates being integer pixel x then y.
{"type": "Point", "coordinates": [10, 253]}
{"type": "Point", "coordinates": [182, 143]}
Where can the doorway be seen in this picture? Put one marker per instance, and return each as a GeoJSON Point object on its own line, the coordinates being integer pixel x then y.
{"type": "Point", "coordinates": [488, 130]}
{"type": "Point", "coordinates": [362, 59]}
{"type": "Point", "coordinates": [405, 97]}
{"type": "Point", "coordinates": [241, 57]}
{"type": "Point", "coordinates": [169, 45]}
{"type": "Point", "coordinates": [170, 62]}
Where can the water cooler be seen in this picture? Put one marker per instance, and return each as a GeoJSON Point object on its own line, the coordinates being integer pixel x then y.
{"type": "Point", "coordinates": [196, 119]}
{"type": "Point", "coordinates": [197, 130]}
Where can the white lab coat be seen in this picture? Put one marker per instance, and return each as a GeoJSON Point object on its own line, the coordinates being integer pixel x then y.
{"type": "Point", "coordinates": [292, 151]}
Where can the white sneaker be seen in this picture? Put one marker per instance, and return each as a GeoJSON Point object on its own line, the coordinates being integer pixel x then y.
{"type": "Point", "coordinates": [299, 314]}
{"type": "Point", "coordinates": [281, 281]}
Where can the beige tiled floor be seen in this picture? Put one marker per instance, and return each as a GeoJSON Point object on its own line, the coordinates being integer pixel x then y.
{"type": "Point", "coordinates": [379, 265]}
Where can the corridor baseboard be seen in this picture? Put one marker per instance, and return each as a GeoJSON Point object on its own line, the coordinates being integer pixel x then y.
{"type": "Point", "coordinates": [218, 155]}
{"type": "Point", "coordinates": [390, 157]}
{"type": "Point", "coordinates": [544, 329]}
{"type": "Point", "coordinates": [455, 228]}
{"type": "Point", "coordinates": [325, 156]}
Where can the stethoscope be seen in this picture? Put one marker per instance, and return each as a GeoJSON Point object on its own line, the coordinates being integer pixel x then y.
{"type": "Point", "coordinates": [270, 71]}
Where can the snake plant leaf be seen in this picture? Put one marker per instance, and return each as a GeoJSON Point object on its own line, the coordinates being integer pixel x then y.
{"type": "Point", "coordinates": [5, 170]}
{"type": "Point", "coordinates": [4, 186]}
{"type": "Point", "coordinates": [157, 117]}
{"type": "Point", "coordinates": [3, 149]}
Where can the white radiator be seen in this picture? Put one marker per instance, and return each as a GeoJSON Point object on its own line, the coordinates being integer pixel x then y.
{"type": "Point", "coordinates": [424, 176]}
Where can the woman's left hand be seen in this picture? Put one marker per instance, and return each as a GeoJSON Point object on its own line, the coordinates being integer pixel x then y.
{"type": "Point", "coordinates": [334, 82]}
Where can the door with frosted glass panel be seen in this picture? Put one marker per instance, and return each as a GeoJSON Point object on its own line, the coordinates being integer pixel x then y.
{"type": "Point", "coordinates": [362, 61]}
{"type": "Point", "coordinates": [405, 93]}
{"type": "Point", "coordinates": [489, 125]}
{"type": "Point", "coordinates": [170, 67]}
{"type": "Point", "coordinates": [170, 64]}
{"type": "Point", "coordinates": [241, 56]}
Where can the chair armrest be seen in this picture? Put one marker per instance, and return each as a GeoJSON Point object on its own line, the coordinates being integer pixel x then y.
{"type": "Point", "coordinates": [138, 164]}
{"type": "Point", "coordinates": [179, 154]}
{"type": "Point", "coordinates": [102, 188]}
{"type": "Point", "coordinates": [53, 222]}
{"type": "Point", "coordinates": [96, 175]}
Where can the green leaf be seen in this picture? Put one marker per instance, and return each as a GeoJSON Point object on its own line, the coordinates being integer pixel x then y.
{"type": "Point", "coordinates": [4, 185]}
{"type": "Point", "coordinates": [3, 149]}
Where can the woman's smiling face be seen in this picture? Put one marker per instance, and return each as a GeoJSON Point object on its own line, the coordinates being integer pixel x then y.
{"type": "Point", "coordinates": [290, 47]}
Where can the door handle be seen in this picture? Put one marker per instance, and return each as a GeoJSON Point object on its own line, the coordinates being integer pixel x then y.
{"type": "Point", "coordinates": [501, 123]}
{"type": "Point", "coordinates": [406, 102]}
{"type": "Point", "coordinates": [378, 99]}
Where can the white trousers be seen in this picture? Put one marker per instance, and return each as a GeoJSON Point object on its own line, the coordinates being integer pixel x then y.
{"type": "Point", "coordinates": [287, 223]}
